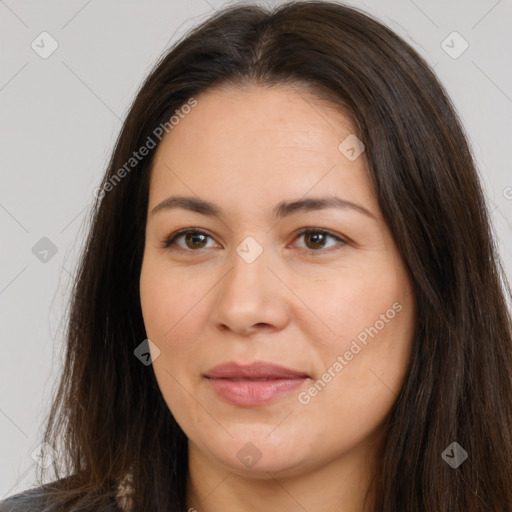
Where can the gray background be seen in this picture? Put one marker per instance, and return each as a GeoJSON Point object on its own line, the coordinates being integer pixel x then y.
{"type": "Point", "coordinates": [60, 117]}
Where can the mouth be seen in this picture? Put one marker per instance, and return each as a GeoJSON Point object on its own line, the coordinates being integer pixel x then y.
{"type": "Point", "coordinates": [254, 384]}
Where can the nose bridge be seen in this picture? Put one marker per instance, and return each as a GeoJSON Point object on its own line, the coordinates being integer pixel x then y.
{"type": "Point", "coordinates": [248, 274]}
{"type": "Point", "coordinates": [249, 294]}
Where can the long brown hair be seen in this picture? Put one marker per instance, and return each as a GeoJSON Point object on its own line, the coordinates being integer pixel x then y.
{"type": "Point", "coordinates": [109, 418]}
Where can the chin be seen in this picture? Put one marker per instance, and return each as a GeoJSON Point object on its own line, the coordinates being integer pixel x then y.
{"type": "Point", "coordinates": [258, 456]}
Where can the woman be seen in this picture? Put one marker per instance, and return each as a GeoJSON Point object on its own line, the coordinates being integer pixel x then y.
{"type": "Point", "coordinates": [289, 297]}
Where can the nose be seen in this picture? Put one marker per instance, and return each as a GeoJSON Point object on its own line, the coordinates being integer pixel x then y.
{"type": "Point", "coordinates": [251, 298]}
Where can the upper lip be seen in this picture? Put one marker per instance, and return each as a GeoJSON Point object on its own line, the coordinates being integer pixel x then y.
{"type": "Point", "coordinates": [256, 370]}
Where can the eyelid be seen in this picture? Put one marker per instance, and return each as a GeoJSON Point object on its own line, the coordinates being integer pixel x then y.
{"type": "Point", "coordinates": [169, 241]}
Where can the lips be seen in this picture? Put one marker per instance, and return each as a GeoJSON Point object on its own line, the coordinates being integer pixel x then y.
{"type": "Point", "coordinates": [254, 384]}
{"type": "Point", "coordinates": [255, 371]}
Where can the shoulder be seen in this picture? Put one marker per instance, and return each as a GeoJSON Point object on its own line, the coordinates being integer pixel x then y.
{"type": "Point", "coordinates": [36, 500]}
{"type": "Point", "coordinates": [29, 500]}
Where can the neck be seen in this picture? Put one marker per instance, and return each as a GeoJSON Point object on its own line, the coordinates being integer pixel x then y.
{"type": "Point", "coordinates": [341, 485]}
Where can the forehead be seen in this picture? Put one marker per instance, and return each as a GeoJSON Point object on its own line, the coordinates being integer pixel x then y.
{"type": "Point", "coordinates": [256, 143]}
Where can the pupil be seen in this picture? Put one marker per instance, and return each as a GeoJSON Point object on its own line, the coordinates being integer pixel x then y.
{"type": "Point", "coordinates": [194, 237]}
{"type": "Point", "coordinates": [319, 237]}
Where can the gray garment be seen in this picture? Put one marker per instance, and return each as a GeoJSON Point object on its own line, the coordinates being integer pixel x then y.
{"type": "Point", "coordinates": [34, 500]}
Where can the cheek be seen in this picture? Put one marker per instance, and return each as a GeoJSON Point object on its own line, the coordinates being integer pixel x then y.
{"type": "Point", "coordinates": [169, 319]}
{"type": "Point", "coordinates": [175, 310]}
{"type": "Point", "coordinates": [344, 303]}
{"type": "Point", "coordinates": [170, 301]}
{"type": "Point", "coordinates": [370, 317]}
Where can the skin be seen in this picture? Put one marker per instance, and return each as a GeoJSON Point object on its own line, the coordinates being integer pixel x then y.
{"type": "Point", "coordinates": [300, 304]}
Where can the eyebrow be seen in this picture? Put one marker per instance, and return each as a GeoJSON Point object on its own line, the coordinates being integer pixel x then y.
{"type": "Point", "coordinates": [281, 210]}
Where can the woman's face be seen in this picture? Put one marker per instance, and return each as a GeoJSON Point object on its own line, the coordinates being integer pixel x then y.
{"type": "Point", "coordinates": [277, 351]}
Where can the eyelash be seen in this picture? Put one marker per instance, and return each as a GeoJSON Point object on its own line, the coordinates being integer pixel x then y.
{"type": "Point", "coordinates": [168, 242]}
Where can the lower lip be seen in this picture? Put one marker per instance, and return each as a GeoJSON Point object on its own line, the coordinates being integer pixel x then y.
{"type": "Point", "coordinates": [254, 392]}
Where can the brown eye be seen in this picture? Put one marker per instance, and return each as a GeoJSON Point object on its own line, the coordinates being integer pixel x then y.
{"type": "Point", "coordinates": [316, 239]}
{"type": "Point", "coordinates": [193, 240]}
